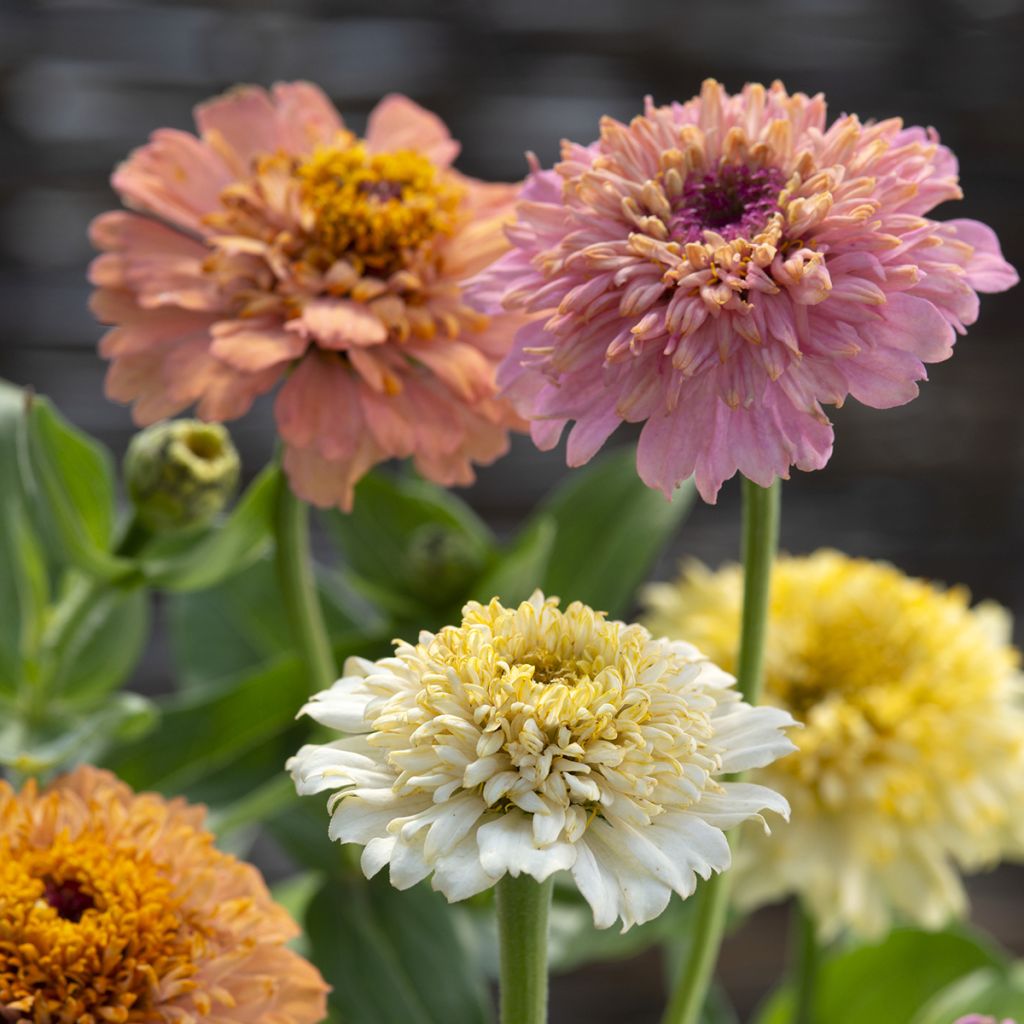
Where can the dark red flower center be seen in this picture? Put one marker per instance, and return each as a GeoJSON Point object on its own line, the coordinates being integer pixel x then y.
{"type": "Point", "coordinates": [736, 201]}
{"type": "Point", "coordinates": [68, 898]}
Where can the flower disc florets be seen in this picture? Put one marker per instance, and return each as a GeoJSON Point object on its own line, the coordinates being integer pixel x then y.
{"type": "Point", "coordinates": [720, 269]}
{"type": "Point", "coordinates": [911, 760]}
{"type": "Point", "coordinates": [535, 740]}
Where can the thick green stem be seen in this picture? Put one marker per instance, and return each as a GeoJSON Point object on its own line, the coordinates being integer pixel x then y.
{"type": "Point", "coordinates": [806, 964]}
{"type": "Point", "coordinates": [298, 587]}
{"type": "Point", "coordinates": [523, 905]}
{"type": "Point", "coordinates": [760, 541]}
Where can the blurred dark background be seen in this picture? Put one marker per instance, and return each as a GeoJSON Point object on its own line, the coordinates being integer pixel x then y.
{"type": "Point", "coordinates": [936, 486]}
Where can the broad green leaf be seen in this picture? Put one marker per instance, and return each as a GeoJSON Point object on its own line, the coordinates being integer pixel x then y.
{"type": "Point", "coordinates": [301, 829]}
{"type": "Point", "coordinates": [198, 562]}
{"type": "Point", "coordinates": [68, 737]}
{"type": "Point", "coordinates": [889, 981]}
{"type": "Point", "coordinates": [989, 990]}
{"type": "Point", "coordinates": [519, 570]}
{"type": "Point", "coordinates": [95, 638]}
{"type": "Point", "coordinates": [200, 733]}
{"type": "Point", "coordinates": [295, 894]}
{"type": "Point", "coordinates": [239, 625]}
{"type": "Point", "coordinates": [24, 585]}
{"type": "Point", "coordinates": [261, 803]}
{"type": "Point", "coordinates": [610, 529]}
{"type": "Point", "coordinates": [393, 956]}
{"type": "Point", "coordinates": [412, 540]}
{"type": "Point", "coordinates": [73, 488]}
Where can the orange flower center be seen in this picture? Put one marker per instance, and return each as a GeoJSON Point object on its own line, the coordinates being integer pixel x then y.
{"type": "Point", "coordinates": [90, 932]}
{"type": "Point", "coordinates": [375, 208]}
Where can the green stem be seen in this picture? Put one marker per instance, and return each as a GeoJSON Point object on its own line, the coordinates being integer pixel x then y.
{"type": "Point", "coordinates": [298, 587]}
{"type": "Point", "coordinates": [761, 507]}
{"type": "Point", "coordinates": [523, 905]}
{"type": "Point", "coordinates": [806, 964]}
{"type": "Point", "coordinates": [760, 541]}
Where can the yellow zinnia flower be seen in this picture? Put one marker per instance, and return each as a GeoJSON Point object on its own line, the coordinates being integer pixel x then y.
{"type": "Point", "coordinates": [911, 764]}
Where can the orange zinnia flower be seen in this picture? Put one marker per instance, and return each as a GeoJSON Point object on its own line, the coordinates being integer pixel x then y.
{"type": "Point", "coordinates": [117, 907]}
{"type": "Point", "coordinates": [277, 243]}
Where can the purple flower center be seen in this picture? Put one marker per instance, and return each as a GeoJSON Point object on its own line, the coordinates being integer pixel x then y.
{"type": "Point", "coordinates": [68, 899]}
{"type": "Point", "coordinates": [735, 201]}
{"type": "Point", "coordinates": [382, 190]}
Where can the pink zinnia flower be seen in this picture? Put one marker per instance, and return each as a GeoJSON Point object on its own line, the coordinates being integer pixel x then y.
{"type": "Point", "coordinates": [277, 243]}
{"type": "Point", "coordinates": [719, 269]}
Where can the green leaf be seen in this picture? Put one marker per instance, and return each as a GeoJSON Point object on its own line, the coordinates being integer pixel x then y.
{"type": "Point", "coordinates": [888, 982]}
{"type": "Point", "coordinates": [24, 585]}
{"type": "Point", "coordinates": [520, 569]}
{"type": "Point", "coordinates": [200, 733]}
{"type": "Point", "coordinates": [393, 956]}
{"type": "Point", "coordinates": [197, 562]}
{"type": "Point", "coordinates": [989, 990]}
{"type": "Point", "coordinates": [72, 483]}
{"type": "Point", "coordinates": [96, 637]}
{"type": "Point", "coordinates": [239, 625]}
{"type": "Point", "coordinates": [610, 528]}
{"type": "Point", "coordinates": [295, 894]}
{"type": "Point", "coordinates": [411, 540]}
{"type": "Point", "coordinates": [67, 737]}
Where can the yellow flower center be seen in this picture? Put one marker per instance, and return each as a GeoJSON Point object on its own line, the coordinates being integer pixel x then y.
{"type": "Point", "coordinates": [88, 932]}
{"type": "Point", "coordinates": [536, 707]}
{"type": "Point", "coordinates": [375, 208]}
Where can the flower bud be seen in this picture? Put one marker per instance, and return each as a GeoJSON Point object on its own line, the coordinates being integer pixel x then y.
{"type": "Point", "coordinates": [181, 473]}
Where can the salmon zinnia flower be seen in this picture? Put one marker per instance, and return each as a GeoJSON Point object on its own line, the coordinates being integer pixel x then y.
{"type": "Point", "coordinates": [910, 764]}
{"type": "Point", "coordinates": [532, 740]}
{"type": "Point", "coordinates": [719, 269]}
{"type": "Point", "coordinates": [117, 907]}
{"type": "Point", "coordinates": [278, 244]}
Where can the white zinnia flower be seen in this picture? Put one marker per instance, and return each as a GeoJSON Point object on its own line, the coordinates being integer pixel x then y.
{"type": "Point", "coordinates": [535, 740]}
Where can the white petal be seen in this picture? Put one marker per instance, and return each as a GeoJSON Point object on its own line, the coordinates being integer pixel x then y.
{"type": "Point", "coordinates": [376, 854]}
{"type": "Point", "coordinates": [317, 767]}
{"type": "Point", "coordinates": [738, 802]}
{"type": "Point", "coordinates": [342, 707]}
{"type": "Point", "coordinates": [548, 827]}
{"type": "Point", "coordinates": [597, 885]}
{"type": "Point", "coordinates": [358, 821]}
{"type": "Point", "coordinates": [456, 819]}
{"type": "Point", "coordinates": [752, 737]}
{"type": "Point", "coordinates": [407, 865]}
{"type": "Point", "coordinates": [642, 895]}
{"type": "Point", "coordinates": [506, 844]}
{"type": "Point", "coordinates": [692, 845]}
{"type": "Point", "coordinates": [458, 873]}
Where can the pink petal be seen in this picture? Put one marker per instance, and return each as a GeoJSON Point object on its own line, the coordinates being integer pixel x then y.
{"type": "Point", "coordinates": [176, 176]}
{"type": "Point", "coordinates": [986, 270]}
{"type": "Point", "coordinates": [463, 368]}
{"type": "Point", "coordinates": [256, 344]}
{"type": "Point", "coordinates": [163, 266]}
{"type": "Point", "coordinates": [399, 123]}
{"type": "Point", "coordinates": [914, 325]}
{"type": "Point", "coordinates": [884, 378]}
{"type": "Point", "coordinates": [241, 124]}
{"type": "Point", "coordinates": [306, 118]}
{"type": "Point", "coordinates": [339, 324]}
{"type": "Point", "coordinates": [323, 482]}
{"type": "Point", "coordinates": [589, 434]}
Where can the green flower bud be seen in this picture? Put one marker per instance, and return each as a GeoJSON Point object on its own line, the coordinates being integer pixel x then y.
{"type": "Point", "coordinates": [181, 473]}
